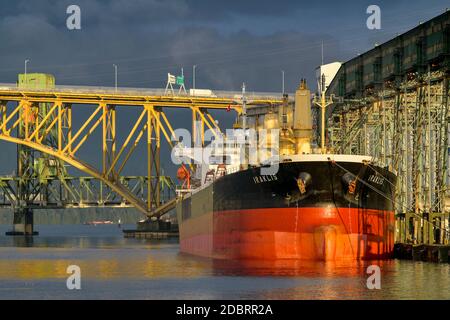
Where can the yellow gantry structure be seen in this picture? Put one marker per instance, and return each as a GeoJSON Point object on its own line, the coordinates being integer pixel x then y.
{"type": "Point", "coordinates": [22, 123]}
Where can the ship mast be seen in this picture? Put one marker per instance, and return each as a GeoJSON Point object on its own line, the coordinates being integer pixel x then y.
{"type": "Point", "coordinates": [244, 109]}
{"type": "Point", "coordinates": [244, 123]}
{"type": "Point", "coordinates": [323, 103]}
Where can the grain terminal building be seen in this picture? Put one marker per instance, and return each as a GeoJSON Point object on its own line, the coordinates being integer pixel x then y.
{"type": "Point", "coordinates": [391, 102]}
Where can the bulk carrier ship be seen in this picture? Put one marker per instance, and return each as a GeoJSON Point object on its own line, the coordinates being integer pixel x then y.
{"type": "Point", "coordinates": [316, 206]}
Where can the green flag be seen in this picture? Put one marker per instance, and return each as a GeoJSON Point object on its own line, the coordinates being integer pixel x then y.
{"type": "Point", "coordinates": [180, 80]}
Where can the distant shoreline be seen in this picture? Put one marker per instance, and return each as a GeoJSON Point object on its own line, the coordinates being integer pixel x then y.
{"type": "Point", "coordinates": [77, 216]}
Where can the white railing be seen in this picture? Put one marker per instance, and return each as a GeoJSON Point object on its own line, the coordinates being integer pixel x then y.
{"type": "Point", "coordinates": [235, 95]}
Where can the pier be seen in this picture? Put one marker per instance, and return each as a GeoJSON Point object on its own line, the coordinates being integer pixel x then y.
{"type": "Point", "coordinates": [392, 102]}
{"type": "Point", "coordinates": [153, 229]}
{"type": "Point", "coordinates": [422, 252]}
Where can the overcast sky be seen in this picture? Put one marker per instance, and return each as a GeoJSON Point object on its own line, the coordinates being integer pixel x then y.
{"type": "Point", "coordinates": [229, 41]}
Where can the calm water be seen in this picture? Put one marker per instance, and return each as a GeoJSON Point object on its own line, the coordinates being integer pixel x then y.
{"type": "Point", "coordinates": [116, 268]}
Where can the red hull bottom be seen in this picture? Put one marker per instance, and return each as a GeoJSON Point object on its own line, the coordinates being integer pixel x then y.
{"type": "Point", "coordinates": [328, 234]}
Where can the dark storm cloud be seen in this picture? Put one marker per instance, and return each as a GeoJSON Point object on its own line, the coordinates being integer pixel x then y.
{"type": "Point", "coordinates": [155, 11]}
{"type": "Point", "coordinates": [108, 11]}
{"type": "Point", "coordinates": [149, 38]}
{"type": "Point", "coordinates": [231, 41]}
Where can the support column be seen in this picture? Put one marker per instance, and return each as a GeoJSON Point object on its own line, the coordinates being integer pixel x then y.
{"type": "Point", "coordinates": [23, 223]}
{"type": "Point", "coordinates": [23, 217]}
{"type": "Point", "coordinates": [150, 157]}
{"type": "Point", "coordinates": [157, 159]}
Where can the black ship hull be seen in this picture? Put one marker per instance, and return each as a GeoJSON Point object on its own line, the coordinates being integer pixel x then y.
{"type": "Point", "coordinates": [320, 210]}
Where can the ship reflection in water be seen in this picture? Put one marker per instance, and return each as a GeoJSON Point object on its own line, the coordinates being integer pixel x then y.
{"type": "Point", "coordinates": [288, 267]}
{"type": "Point", "coordinates": [117, 268]}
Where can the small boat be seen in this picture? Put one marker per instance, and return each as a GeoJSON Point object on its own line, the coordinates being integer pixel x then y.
{"type": "Point", "coordinates": [98, 222]}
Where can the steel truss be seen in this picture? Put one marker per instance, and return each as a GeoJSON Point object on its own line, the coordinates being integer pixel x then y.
{"type": "Point", "coordinates": [78, 192]}
{"type": "Point", "coordinates": [41, 124]}
{"type": "Point", "coordinates": [406, 128]}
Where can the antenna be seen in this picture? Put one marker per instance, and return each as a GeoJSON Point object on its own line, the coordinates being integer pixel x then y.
{"type": "Point", "coordinates": [322, 53]}
{"type": "Point", "coordinates": [323, 83]}
{"type": "Point", "coordinates": [244, 109]}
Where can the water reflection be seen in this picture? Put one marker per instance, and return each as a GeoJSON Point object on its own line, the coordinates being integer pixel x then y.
{"type": "Point", "coordinates": [115, 267]}
{"type": "Point", "coordinates": [22, 241]}
{"type": "Point", "coordinates": [288, 268]}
